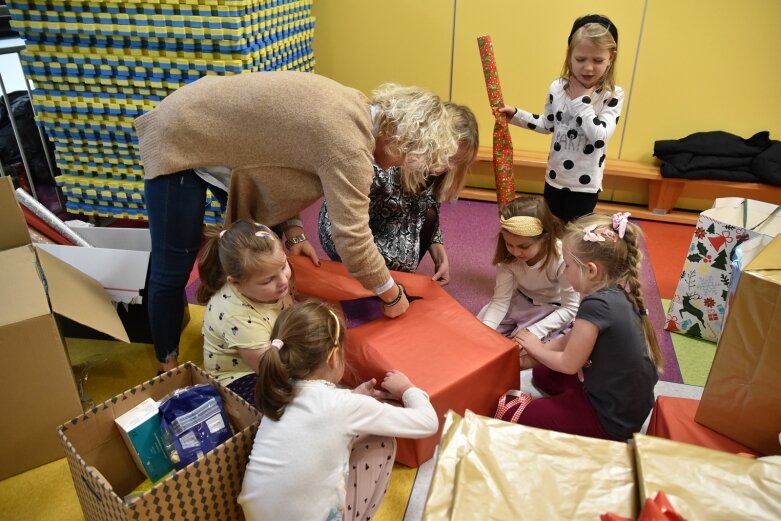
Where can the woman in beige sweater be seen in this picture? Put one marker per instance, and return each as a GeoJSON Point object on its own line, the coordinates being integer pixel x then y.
{"type": "Point", "coordinates": [272, 143]}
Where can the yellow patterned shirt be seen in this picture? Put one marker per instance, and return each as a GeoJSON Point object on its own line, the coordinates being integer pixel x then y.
{"type": "Point", "coordinates": [233, 322]}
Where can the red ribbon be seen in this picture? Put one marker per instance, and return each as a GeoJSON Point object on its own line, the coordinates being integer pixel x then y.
{"type": "Point", "coordinates": [503, 145]}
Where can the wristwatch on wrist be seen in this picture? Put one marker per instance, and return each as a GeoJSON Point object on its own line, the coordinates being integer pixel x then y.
{"type": "Point", "coordinates": [292, 241]}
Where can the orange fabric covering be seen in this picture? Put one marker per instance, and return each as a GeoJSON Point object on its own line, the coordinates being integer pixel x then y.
{"type": "Point", "coordinates": [461, 363]}
{"type": "Point", "coordinates": [673, 418]}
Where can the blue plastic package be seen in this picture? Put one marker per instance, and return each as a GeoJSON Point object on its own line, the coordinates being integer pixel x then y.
{"type": "Point", "coordinates": [194, 421]}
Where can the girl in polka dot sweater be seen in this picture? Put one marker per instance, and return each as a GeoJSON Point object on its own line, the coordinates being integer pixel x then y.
{"type": "Point", "coordinates": [245, 283]}
{"type": "Point", "coordinates": [324, 452]}
{"type": "Point", "coordinates": [582, 111]}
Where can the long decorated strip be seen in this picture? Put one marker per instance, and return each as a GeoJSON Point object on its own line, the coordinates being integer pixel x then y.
{"type": "Point", "coordinates": [502, 145]}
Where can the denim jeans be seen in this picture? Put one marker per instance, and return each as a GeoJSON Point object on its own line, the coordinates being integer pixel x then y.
{"type": "Point", "coordinates": [175, 205]}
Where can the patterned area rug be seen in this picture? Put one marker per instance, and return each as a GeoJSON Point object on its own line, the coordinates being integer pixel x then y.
{"type": "Point", "coordinates": [470, 229]}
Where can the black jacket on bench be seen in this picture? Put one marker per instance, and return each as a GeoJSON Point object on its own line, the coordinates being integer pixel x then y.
{"type": "Point", "coordinates": [721, 155]}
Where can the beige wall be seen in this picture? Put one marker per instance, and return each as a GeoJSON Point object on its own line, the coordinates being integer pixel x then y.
{"type": "Point", "coordinates": [686, 65]}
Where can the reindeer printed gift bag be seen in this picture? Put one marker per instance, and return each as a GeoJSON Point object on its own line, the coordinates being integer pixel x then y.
{"type": "Point", "coordinates": [700, 300]}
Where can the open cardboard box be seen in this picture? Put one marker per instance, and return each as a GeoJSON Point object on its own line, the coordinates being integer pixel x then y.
{"type": "Point", "coordinates": [103, 469]}
{"type": "Point", "coordinates": [119, 260]}
{"type": "Point", "coordinates": [38, 387]}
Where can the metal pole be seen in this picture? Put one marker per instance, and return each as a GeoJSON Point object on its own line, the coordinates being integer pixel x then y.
{"type": "Point", "coordinates": [18, 140]}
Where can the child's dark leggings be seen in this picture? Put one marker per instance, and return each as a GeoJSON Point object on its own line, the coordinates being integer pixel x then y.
{"type": "Point", "coordinates": [566, 409]}
{"type": "Point", "coordinates": [568, 205]}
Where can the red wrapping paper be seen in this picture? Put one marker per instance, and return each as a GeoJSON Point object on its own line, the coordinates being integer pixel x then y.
{"type": "Point", "coordinates": [502, 142]}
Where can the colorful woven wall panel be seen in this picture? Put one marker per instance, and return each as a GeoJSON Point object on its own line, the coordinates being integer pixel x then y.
{"type": "Point", "coordinates": [99, 65]}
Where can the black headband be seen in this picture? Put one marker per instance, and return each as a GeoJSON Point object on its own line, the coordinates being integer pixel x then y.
{"type": "Point", "coordinates": [594, 19]}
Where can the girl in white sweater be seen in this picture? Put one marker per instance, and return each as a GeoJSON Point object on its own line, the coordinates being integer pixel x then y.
{"type": "Point", "coordinates": [323, 452]}
{"type": "Point", "coordinates": [531, 292]}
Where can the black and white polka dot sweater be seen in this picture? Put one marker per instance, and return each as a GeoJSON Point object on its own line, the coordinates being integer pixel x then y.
{"type": "Point", "coordinates": [581, 131]}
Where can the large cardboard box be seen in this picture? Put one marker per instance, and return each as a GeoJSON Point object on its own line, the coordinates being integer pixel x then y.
{"type": "Point", "coordinates": [492, 469]}
{"type": "Point", "coordinates": [103, 469]}
{"type": "Point", "coordinates": [119, 260]}
{"type": "Point", "coordinates": [461, 363]}
{"type": "Point", "coordinates": [742, 397]}
{"type": "Point", "coordinates": [38, 388]}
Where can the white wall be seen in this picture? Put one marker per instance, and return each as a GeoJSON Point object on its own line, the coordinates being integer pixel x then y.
{"type": "Point", "coordinates": [11, 68]}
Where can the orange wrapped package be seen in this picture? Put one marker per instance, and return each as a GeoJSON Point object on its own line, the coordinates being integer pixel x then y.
{"type": "Point", "coordinates": [437, 343]}
{"type": "Point", "coordinates": [673, 418]}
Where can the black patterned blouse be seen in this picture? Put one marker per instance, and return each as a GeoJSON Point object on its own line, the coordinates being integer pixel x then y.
{"type": "Point", "coordinates": [395, 218]}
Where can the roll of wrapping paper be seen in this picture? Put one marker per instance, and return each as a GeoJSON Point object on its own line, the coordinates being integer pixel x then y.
{"type": "Point", "coordinates": [503, 145]}
{"type": "Point", "coordinates": [49, 218]}
{"type": "Point", "coordinates": [43, 228]}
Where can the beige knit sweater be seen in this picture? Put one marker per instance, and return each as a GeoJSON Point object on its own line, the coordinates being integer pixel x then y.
{"type": "Point", "coordinates": [289, 138]}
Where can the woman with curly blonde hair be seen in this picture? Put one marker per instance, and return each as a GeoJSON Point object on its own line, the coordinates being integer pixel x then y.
{"type": "Point", "coordinates": [404, 204]}
{"type": "Point", "coordinates": [270, 144]}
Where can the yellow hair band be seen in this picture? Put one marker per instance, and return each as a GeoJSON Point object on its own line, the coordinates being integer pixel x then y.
{"type": "Point", "coordinates": [522, 225]}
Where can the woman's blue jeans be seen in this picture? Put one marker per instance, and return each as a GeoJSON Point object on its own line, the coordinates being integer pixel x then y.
{"type": "Point", "coordinates": [175, 204]}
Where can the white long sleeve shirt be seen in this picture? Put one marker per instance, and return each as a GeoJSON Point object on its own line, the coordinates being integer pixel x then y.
{"type": "Point", "coordinates": [581, 131]}
{"type": "Point", "coordinates": [543, 285]}
{"type": "Point", "coordinates": [298, 466]}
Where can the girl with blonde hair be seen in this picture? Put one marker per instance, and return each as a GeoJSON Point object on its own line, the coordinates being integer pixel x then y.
{"type": "Point", "coordinates": [404, 217]}
{"type": "Point", "coordinates": [600, 377]}
{"type": "Point", "coordinates": [581, 112]}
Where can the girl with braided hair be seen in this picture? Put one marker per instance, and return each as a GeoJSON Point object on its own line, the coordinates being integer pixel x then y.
{"type": "Point", "coordinates": [600, 377]}
{"type": "Point", "coordinates": [321, 451]}
{"type": "Point", "coordinates": [531, 293]}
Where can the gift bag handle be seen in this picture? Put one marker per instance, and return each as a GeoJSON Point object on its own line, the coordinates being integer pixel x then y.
{"type": "Point", "coordinates": [763, 221]}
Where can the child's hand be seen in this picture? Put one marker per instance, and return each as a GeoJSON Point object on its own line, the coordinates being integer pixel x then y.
{"type": "Point", "coordinates": [528, 341]}
{"type": "Point", "coordinates": [509, 111]}
{"type": "Point", "coordinates": [527, 360]}
{"type": "Point", "coordinates": [286, 301]}
{"type": "Point", "coordinates": [367, 388]}
{"type": "Point", "coordinates": [396, 383]}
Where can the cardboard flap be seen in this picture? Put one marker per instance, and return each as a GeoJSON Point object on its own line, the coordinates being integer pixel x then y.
{"type": "Point", "coordinates": [768, 259]}
{"type": "Point", "coordinates": [14, 232]}
{"type": "Point", "coordinates": [122, 273]}
{"type": "Point", "coordinates": [23, 292]}
{"type": "Point", "coordinates": [79, 297]}
{"type": "Point", "coordinates": [137, 239]}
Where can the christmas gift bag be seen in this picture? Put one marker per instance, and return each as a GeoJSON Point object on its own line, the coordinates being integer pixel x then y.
{"type": "Point", "coordinates": [700, 300]}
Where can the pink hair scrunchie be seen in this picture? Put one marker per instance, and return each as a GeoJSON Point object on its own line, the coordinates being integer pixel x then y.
{"type": "Point", "coordinates": [620, 220]}
{"type": "Point", "coordinates": [277, 343]}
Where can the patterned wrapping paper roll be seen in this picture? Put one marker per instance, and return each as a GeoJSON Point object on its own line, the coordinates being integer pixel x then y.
{"type": "Point", "coordinates": [503, 145]}
{"type": "Point", "coordinates": [49, 218]}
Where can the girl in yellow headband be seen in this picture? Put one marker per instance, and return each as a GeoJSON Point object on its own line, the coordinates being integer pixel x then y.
{"type": "Point", "coordinates": [531, 292]}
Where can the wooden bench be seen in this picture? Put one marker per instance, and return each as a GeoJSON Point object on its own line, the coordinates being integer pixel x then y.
{"type": "Point", "coordinates": [663, 192]}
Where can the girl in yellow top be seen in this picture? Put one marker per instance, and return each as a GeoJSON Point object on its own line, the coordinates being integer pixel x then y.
{"type": "Point", "coordinates": [245, 283]}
